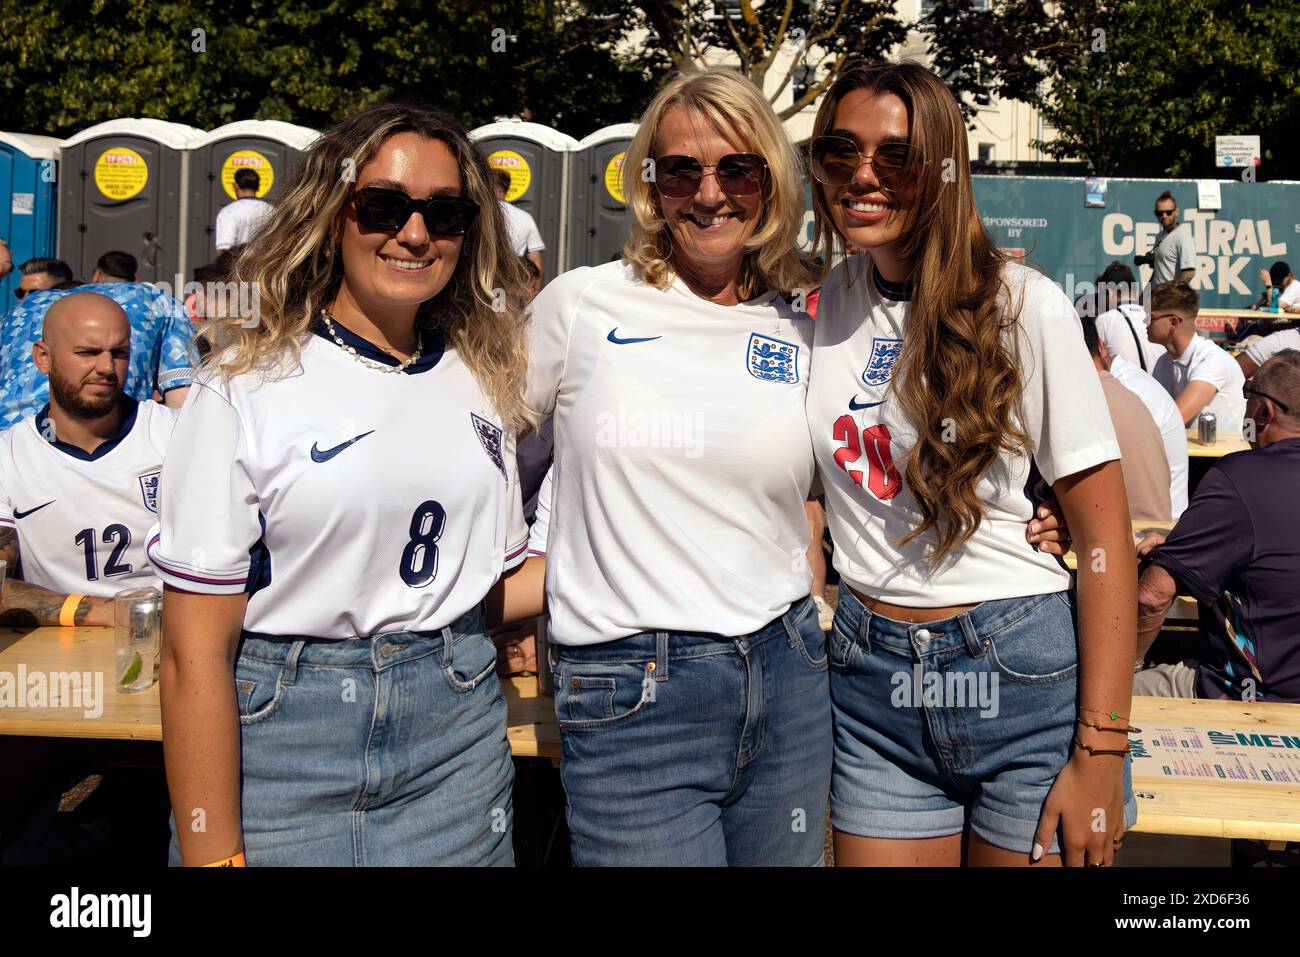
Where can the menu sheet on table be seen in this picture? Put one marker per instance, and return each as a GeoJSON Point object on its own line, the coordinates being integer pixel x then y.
{"type": "Point", "coordinates": [1229, 755]}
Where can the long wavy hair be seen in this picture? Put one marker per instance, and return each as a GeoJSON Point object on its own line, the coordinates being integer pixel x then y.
{"type": "Point", "coordinates": [957, 377]}
{"type": "Point", "coordinates": [740, 113]}
{"type": "Point", "coordinates": [296, 262]}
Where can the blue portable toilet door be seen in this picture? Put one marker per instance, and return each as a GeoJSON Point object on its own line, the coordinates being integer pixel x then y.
{"type": "Point", "coordinates": [26, 208]}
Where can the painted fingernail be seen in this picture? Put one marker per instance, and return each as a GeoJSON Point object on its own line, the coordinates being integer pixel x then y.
{"type": "Point", "coordinates": [1037, 852]}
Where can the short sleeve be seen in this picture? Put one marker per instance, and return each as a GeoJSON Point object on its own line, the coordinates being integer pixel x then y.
{"type": "Point", "coordinates": [1261, 351]}
{"type": "Point", "coordinates": [208, 508]}
{"type": "Point", "coordinates": [225, 229]}
{"type": "Point", "coordinates": [1186, 250]}
{"type": "Point", "coordinates": [175, 364]}
{"type": "Point", "coordinates": [542, 519]}
{"type": "Point", "coordinates": [1290, 295]}
{"type": "Point", "coordinates": [6, 503]}
{"type": "Point", "coordinates": [516, 539]}
{"type": "Point", "coordinates": [1070, 431]}
{"type": "Point", "coordinates": [534, 242]}
{"type": "Point", "coordinates": [550, 321]}
{"type": "Point", "coordinates": [1213, 540]}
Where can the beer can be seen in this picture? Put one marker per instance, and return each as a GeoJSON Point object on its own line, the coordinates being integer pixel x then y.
{"type": "Point", "coordinates": [1207, 428]}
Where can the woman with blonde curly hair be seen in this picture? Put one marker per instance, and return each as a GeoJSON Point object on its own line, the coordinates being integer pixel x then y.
{"type": "Point", "coordinates": [980, 708]}
{"type": "Point", "coordinates": [341, 499]}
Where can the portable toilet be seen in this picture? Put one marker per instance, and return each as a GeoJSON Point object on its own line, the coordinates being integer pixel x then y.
{"type": "Point", "coordinates": [537, 159]}
{"type": "Point", "coordinates": [122, 186]}
{"type": "Point", "coordinates": [599, 219]}
{"type": "Point", "coordinates": [28, 201]}
{"type": "Point", "coordinates": [271, 148]}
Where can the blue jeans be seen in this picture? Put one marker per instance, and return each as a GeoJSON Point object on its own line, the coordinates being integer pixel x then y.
{"type": "Point", "coordinates": [970, 712]}
{"type": "Point", "coordinates": [693, 749]}
{"type": "Point", "coordinates": [389, 750]}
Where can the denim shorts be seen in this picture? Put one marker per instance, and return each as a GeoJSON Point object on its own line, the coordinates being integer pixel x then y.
{"type": "Point", "coordinates": [684, 749]}
{"type": "Point", "coordinates": [970, 714]}
{"type": "Point", "coordinates": [388, 750]}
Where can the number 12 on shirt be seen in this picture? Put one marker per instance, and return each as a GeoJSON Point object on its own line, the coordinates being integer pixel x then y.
{"type": "Point", "coordinates": [882, 477]}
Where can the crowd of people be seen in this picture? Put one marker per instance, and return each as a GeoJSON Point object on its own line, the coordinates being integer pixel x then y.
{"type": "Point", "coordinates": [332, 496]}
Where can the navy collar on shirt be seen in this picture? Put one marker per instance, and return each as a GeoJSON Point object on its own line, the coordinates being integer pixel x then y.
{"type": "Point", "coordinates": [431, 343]}
{"type": "Point", "coordinates": [898, 292]}
{"type": "Point", "coordinates": [130, 407]}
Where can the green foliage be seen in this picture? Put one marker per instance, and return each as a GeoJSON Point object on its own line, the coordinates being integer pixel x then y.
{"type": "Point", "coordinates": [1136, 87]}
{"type": "Point", "coordinates": [63, 67]}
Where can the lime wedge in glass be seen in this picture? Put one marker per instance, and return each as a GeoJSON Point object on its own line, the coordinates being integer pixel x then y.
{"type": "Point", "coordinates": [132, 672]}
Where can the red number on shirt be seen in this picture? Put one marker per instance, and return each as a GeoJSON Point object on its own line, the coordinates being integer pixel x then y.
{"type": "Point", "coordinates": [847, 430]}
{"type": "Point", "coordinates": [882, 477]}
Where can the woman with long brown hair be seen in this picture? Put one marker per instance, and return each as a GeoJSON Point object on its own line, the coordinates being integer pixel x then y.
{"type": "Point", "coordinates": [341, 498]}
{"type": "Point", "coordinates": [973, 693]}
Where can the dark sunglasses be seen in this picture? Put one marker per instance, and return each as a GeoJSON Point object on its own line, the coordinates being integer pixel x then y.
{"type": "Point", "coordinates": [1165, 212]}
{"type": "Point", "coordinates": [739, 174]}
{"type": "Point", "coordinates": [837, 159]}
{"type": "Point", "coordinates": [388, 210]}
{"type": "Point", "coordinates": [20, 292]}
{"type": "Point", "coordinates": [1248, 391]}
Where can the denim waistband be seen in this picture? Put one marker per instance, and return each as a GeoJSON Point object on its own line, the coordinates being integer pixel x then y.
{"type": "Point", "coordinates": [376, 651]}
{"type": "Point", "coordinates": [671, 645]}
{"type": "Point", "coordinates": [986, 620]}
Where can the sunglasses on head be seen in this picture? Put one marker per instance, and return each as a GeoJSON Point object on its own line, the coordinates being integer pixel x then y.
{"type": "Point", "coordinates": [837, 159]}
{"type": "Point", "coordinates": [739, 174]}
{"type": "Point", "coordinates": [388, 210]}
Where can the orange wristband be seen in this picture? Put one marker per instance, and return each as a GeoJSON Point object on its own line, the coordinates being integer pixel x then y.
{"type": "Point", "coordinates": [236, 861]}
{"type": "Point", "coordinates": [69, 610]}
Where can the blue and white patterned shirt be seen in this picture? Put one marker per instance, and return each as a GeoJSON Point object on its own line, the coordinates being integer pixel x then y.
{"type": "Point", "coordinates": [161, 350]}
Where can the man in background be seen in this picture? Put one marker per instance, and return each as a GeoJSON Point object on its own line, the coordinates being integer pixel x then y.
{"type": "Point", "coordinates": [1122, 324]}
{"type": "Point", "coordinates": [525, 238]}
{"type": "Point", "coordinates": [42, 273]}
{"type": "Point", "coordinates": [1173, 257]}
{"type": "Point", "coordinates": [115, 266]}
{"type": "Point", "coordinates": [1194, 370]}
{"type": "Point", "coordinates": [238, 221]}
{"type": "Point", "coordinates": [1141, 448]}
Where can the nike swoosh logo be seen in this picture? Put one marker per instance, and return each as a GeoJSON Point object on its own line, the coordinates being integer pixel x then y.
{"type": "Point", "coordinates": [857, 407]}
{"type": "Point", "coordinates": [18, 514]}
{"type": "Point", "coordinates": [318, 455]}
{"type": "Point", "coordinates": [613, 337]}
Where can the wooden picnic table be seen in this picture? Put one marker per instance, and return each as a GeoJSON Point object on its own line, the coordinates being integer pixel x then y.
{"type": "Point", "coordinates": [530, 721]}
{"type": "Point", "coordinates": [1223, 445]}
{"type": "Point", "coordinates": [1217, 769]}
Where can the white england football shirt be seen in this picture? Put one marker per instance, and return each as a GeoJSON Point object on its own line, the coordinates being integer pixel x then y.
{"type": "Point", "coordinates": [862, 439]}
{"type": "Point", "coordinates": [237, 222]}
{"type": "Point", "coordinates": [682, 457]}
{"type": "Point", "coordinates": [83, 518]}
{"type": "Point", "coordinates": [348, 501]}
{"type": "Point", "coordinates": [1204, 361]}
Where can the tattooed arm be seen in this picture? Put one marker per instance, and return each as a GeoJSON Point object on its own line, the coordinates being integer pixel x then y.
{"type": "Point", "coordinates": [28, 605]}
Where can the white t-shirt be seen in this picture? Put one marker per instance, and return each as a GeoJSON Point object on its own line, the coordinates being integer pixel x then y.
{"type": "Point", "coordinates": [348, 501]}
{"type": "Point", "coordinates": [862, 440]}
{"type": "Point", "coordinates": [83, 518]}
{"type": "Point", "coordinates": [522, 228]}
{"type": "Point", "coordinates": [1168, 421]}
{"type": "Point", "coordinates": [1124, 330]}
{"type": "Point", "coordinates": [1269, 346]}
{"type": "Point", "coordinates": [238, 221]}
{"type": "Point", "coordinates": [1290, 295]}
{"type": "Point", "coordinates": [682, 459]}
{"type": "Point", "coordinates": [1203, 361]}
